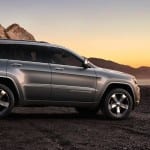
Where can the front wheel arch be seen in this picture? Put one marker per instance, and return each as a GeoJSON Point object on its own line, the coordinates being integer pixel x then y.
{"type": "Point", "coordinates": [114, 86]}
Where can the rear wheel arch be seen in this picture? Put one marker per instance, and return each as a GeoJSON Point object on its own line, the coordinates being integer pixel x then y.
{"type": "Point", "coordinates": [11, 85]}
{"type": "Point", "coordinates": [7, 101]}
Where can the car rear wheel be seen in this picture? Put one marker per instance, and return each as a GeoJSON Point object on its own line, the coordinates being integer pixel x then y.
{"type": "Point", "coordinates": [117, 104]}
{"type": "Point", "coordinates": [6, 101]}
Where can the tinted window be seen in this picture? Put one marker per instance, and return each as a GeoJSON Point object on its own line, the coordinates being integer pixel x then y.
{"type": "Point", "coordinates": [39, 54]}
{"type": "Point", "coordinates": [58, 56]}
{"type": "Point", "coordinates": [21, 52]}
{"type": "Point", "coordinates": [14, 52]}
{"type": "Point", "coordinates": [63, 57]}
{"type": "Point", "coordinates": [3, 52]}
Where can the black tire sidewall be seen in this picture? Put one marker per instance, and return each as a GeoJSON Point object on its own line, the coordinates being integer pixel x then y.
{"type": "Point", "coordinates": [106, 104]}
{"type": "Point", "coordinates": [11, 101]}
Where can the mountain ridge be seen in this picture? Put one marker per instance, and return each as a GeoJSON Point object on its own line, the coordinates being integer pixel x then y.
{"type": "Point", "coordinates": [140, 72]}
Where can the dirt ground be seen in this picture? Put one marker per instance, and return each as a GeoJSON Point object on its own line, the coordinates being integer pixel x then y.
{"type": "Point", "coordinates": [53, 128]}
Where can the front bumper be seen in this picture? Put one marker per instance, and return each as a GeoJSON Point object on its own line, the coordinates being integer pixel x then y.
{"type": "Point", "coordinates": [138, 95]}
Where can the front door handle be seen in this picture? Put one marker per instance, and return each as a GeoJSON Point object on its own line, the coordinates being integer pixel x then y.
{"type": "Point", "coordinates": [16, 65]}
{"type": "Point", "coordinates": [59, 68]}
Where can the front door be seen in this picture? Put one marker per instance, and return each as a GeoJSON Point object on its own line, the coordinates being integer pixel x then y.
{"type": "Point", "coordinates": [70, 80]}
{"type": "Point", "coordinates": [71, 83]}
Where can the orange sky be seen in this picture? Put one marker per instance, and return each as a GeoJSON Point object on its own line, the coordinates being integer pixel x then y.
{"type": "Point", "coordinates": [130, 50]}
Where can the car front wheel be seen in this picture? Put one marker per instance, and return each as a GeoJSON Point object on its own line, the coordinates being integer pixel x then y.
{"type": "Point", "coordinates": [6, 101]}
{"type": "Point", "coordinates": [117, 104]}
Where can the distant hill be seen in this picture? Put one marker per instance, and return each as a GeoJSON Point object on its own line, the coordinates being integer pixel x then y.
{"type": "Point", "coordinates": [141, 72]}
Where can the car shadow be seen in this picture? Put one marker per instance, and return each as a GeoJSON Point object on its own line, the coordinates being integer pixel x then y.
{"type": "Point", "coordinates": [68, 116]}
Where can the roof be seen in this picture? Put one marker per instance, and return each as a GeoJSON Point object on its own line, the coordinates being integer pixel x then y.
{"type": "Point", "coordinates": [26, 42]}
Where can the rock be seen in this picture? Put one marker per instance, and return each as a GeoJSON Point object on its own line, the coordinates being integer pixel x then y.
{"type": "Point", "coordinates": [16, 32]}
{"type": "Point", "coordinates": [2, 32]}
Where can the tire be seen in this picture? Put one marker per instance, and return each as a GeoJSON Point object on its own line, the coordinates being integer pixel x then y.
{"type": "Point", "coordinates": [6, 101]}
{"type": "Point", "coordinates": [87, 111]}
{"type": "Point", "coordinates": [117, 104]}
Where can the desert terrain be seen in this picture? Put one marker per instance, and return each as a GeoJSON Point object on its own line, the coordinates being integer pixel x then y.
{"type": "Point", "coordinates": [53, 128]}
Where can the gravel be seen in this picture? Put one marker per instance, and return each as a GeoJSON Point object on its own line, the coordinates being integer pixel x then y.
{"type": "Point", "coordinates": [54, 128]}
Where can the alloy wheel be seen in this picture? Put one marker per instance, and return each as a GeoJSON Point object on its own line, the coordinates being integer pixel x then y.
{"type": "Point", "coordinates": [118, 104]}
{"type": "Point", "coordinates": [4, 100]}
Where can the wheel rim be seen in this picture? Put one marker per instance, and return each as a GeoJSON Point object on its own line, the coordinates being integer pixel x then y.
{"type": "Point", "coordinates": [118, 104]}
{"type": "Point", "coordinates": [4, 100]}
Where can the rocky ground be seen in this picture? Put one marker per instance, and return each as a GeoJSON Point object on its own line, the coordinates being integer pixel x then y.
{"type": "Point", "coordinates": [54, 128]}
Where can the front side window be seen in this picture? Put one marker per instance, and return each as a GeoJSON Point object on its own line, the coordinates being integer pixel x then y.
{"type": "Point", "coordinates": [60, 56]}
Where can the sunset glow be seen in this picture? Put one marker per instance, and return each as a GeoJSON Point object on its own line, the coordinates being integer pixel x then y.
{"type": "Point", "coordinates": [115, 30]}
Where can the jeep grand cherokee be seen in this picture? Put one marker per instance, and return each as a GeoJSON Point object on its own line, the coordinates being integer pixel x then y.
{"type": "Point", "coordinates": [42, 74]}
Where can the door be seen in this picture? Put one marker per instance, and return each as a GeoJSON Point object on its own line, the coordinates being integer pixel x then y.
{"type": "Point", "coordinates": [34, 76]}
{"type": "Point", "coordinates": [70, 80]}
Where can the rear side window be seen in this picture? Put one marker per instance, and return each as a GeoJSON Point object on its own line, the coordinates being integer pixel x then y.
{"type": "Point", "coordinates": [22, 52]}
{"type": "Point", "coordinates": [14, 52]}
{"type": "Point", "coordinates": [3, 51]}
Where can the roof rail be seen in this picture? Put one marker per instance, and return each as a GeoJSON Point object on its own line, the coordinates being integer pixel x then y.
{"type": "Point", "coordinates": [23, 40]}
{"type": "Point", "coordinates": [42, 41]}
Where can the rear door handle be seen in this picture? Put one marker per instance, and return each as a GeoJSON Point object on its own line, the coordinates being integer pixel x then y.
{"type": "Point", "coordinates": [16, 65]}
{"type": "Point", "coordinates": [59, 68]}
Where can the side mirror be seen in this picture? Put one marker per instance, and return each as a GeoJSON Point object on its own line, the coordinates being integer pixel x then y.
{"type": "Point", "coordinates": [86, 62]}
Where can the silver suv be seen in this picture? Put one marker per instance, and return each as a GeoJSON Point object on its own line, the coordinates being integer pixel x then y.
{"type": "Point", "coordinates": [42, 74]}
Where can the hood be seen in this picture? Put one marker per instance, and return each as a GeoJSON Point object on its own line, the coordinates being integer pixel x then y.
{"type": "Point", "coordinates": [112, 73]}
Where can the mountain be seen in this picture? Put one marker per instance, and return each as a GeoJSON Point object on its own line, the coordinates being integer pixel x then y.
{"type": "Point", "coordinates": [16, 32]}
{"type": "Point", "coordinates": [141, 72]}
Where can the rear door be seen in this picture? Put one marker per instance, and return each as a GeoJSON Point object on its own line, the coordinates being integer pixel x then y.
{"type": "Point", "coordinates": [26, 66]}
